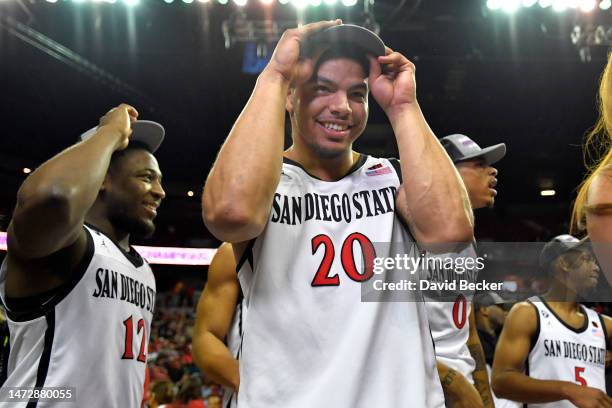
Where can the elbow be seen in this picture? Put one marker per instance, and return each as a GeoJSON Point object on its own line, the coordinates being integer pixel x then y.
{"type": "Point", "coordinates": [45, 200]}
{"type": "Point", "coordinates": [231, 222]}
{"type": "Point", "coordinates": [497, 385]}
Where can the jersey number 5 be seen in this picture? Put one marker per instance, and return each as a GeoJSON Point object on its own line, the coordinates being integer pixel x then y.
{"type": "Point", "coordinates": [347, 257]}
{"type": "Point", "coordinates": [128, 353]}
{"type": "Point", "coordinates": [580, 380]}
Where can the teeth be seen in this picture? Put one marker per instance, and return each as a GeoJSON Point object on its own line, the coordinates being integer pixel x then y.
{"type": "Point", "coordinates": [334, 126]}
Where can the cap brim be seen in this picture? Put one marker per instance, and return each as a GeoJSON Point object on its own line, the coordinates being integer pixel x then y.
{"type": "Point", "coordinates": [147, 132]}
{"type": "Point", "coordinates": [350, 34]}
{"type": "Point", "coordinates": [491, 154]}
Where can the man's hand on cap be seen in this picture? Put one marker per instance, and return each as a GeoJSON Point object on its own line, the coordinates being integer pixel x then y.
{"type": "Point", "coordinates": [286, 60]}
{"type": "Point", "coordinates": [392, 80]}
{"type": "Point", "coordinates": [118, 120]}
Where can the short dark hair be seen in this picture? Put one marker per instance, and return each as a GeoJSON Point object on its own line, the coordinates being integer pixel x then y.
{"type": "Point", "coordinates": [344, 50]}
{"type": "Point", "coordinates": [117, 155]}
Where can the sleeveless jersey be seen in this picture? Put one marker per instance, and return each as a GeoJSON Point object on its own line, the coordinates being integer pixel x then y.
{"type": "Point", "coordinates": [232, 340]}
{"type": "Point", "coordinates": [563, 353]}
{"type": "Point", "coordinates": [309, 340]}
{"type": "Point", "coordinates": [92, 335]}
{"type": "Point", "coordinates": [449, 314]}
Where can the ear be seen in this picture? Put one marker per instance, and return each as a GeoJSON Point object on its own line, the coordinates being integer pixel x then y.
{"type": "Point", "coordinates": [105, 184]}
{"type": "Point", "coordinates": [290, 100]}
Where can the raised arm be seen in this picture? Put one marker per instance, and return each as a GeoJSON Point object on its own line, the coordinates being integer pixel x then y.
{"type": "Point", "coordinates": [432, 199]}
{"type": "Point", "coordinates": [480, 374]}
{"type": "Point", "coordinates": [512, 351]}
{"type": "Point", "coordinates": [214, 316]}
{"type": "Point", "coordinates": [240, 187]}
{"type": "Point", "coordinates": [53, 200]}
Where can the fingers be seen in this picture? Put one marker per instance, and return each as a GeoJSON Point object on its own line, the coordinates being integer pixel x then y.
{"type": "Point", "coordinates": [131, 111]}
{"type": "Point", "coordinates": [375, 68]}
{"type": "Point", "coordinates": [308, 29]}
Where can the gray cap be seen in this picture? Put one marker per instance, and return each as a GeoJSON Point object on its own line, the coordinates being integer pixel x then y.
{"type": "Point", "coordinates": [147, 132]}
{"type": "Point", "coordinates": [460, 148]}
{"type": "Point", "coordinates": [350, 34]}
{"type": "Point", "coordinates": [490, 299]}
{"type": "Point", "coordinates": [558, 246]}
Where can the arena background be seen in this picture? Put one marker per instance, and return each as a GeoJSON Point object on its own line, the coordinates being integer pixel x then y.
{"type": "Point", "coordinates": [497, 71]}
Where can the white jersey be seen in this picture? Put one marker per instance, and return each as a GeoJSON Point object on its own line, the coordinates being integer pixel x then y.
{"type": "Point", "coordinates": [309, 340]}
{"type": "Point", "coordinates": [449, 314]}
{"type": "Point", "coordinates": [564, 353]}
{"type": "Point", "coordinates": [233, 338]}
{"type": "Point", "coordinates": [91, 335]}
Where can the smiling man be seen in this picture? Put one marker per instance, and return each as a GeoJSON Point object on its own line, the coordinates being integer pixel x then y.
{"type": "Point", "coordinates": [301, 219]}
{"type": "Point", "coordinates": [79, 299]}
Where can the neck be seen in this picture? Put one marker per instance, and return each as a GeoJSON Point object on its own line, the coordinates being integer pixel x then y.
{"type": "Point", "coordinates": [561, 298]}
{"type": "Point", "coordinates": [327, 169]}
{"type": "Point", "coordinates": [98, 219]}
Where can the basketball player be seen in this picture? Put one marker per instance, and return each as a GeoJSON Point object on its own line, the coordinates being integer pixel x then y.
{"type": "Point", "coordinates": [79, 299]}
{"type": "Point", "coordinates": [302, 217]}
{"type": "Point", "coordinates": [551, 352]}
{"type": "Point", "coordinates": [216, 336]}
{"type": "Point", "coordinates": [461, 362]}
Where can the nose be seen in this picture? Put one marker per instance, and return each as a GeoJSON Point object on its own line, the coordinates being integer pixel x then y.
{"type": "Point", "coordinates": [492, 171]}
{"type": "Point", "coordinates": [339, 104]}
{"type": "Point", "coordinates": [158, 191]}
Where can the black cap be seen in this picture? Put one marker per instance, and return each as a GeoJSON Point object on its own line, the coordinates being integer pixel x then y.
{"type": "Point", "coordinates": [558, 246]}
{"type": "Point", "coordinates": [147, 132]}
{"type": "Point", "coordinates": [460, 148]}
{"type": "Point", "coordinates": [490, 299]}
{"type": "Point", "coordinates": [350, 34]}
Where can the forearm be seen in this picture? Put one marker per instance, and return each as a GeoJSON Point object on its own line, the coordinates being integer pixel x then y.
{"type": "Point", "coordinates": [213, 357]}
{"type": "Point", "coordinates": [480, 374]}
{"type": "Point", "coordinates": [435, 194]}
{"type": "Point", "coordinates": [58, 194]}
{"type": "Point", "coordinates": [517, 386]}
{"type": "Point", "coordinates": [244, 177]}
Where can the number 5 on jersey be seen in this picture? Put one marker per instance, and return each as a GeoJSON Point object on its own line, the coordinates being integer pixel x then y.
{"type": "Point", "coordinates": [347, 257]}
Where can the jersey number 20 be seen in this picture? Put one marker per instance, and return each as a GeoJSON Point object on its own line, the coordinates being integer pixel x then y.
{"type": "Point", "coordinates": [347, 258]}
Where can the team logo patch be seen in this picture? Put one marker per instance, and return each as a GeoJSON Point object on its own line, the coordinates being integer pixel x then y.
{"type": "Point", "coordinates": [377, 170]}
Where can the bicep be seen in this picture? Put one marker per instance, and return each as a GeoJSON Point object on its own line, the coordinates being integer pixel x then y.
{"type": "Point", "coordinates": [515, 339]}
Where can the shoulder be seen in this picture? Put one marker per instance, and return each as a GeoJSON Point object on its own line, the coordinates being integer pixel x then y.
{"type": "Point", "coordinates": [522, 318]}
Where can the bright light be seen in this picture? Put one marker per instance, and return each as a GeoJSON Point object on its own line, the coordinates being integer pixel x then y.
{"type": "Point", "coordinates": [28, 170]}
{"type": "Point", "coordinates": [283, 1]}
{"type": "Point", "coordinates": [266, 2]}
{"type": "Point", "coordinates": [494, 4]}
{"type": "Point", "coordinates": [240, 2]}
{"type": "Point", "coordinates": [299, 4]}
{"type": "Point", "coordinates": [315, 3]}
{"type": "Point", "coordinates": [51, 1]}
{"type": "Point", "coordinates": [349, 3]}
{"type": "Point", "coordinates": [545, 3]}
{"type": "Point", "coordinates": [547, 193]}
{"type": "Point", "coordinates": [190, 193]}
{"type": "Point", "coordinates": [560, 5]}
{"type": "Point", "coordinates": [222, 1]}
{"type": "Point", "coordinates": [188, 1]}
{"type": "Point", "coordinates": [605, 4]}
{"type": "Point", "coordinates": [529, 3]}
{"type": "Point", "coordinates": [329, 2]}
{"type": "Point", "coordinates": [510, 6]}
{"type": "Point", "coordinates": [131, 2]}
{"type": "Point", "coordinates": [204, 1]}
{"type": "Point", "coordinates": [587, 5]}
{"type": "Point", "coordinates": [573, 3]}
{"type": "Point", "coordinates": [168, 1]}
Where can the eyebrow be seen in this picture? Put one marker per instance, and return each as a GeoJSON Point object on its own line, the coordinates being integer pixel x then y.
{"type": "Point", "coordinates": [157, 173]}
{"type": "Point", "coordinates": [363, 86]}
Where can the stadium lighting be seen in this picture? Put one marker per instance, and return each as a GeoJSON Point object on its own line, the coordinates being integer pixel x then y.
{"type": "Point", "coordinates": [266, 2]}
{"type": "Point", "coordinates": [545, 3]}
{"type": "Point", "coordinates": [240, 3]}
{"type": "Point", "coordinates": [547, 193]}
{"type": "Point", "coordinates": [494, 4]}
{"type": "Point", "coordinates": [283, 1]}
{"type": "Point", "coordinates": [169, 1]}
{"type": "Point", "coordinates": [560, 5]}
{"type": "Point", "coordinates": [587, 5]}
{"type": "Point", "coordinates": [190, 193]}
{"type": "Point", "coordinates": [188, 1]}
{"type": "Point", "coordinates": [131, 2]}
{"type": "Point", "coordinates": [315, 3]}
{"type": "Point", "coordinates": [529, 3]}
{"type": "Point", "coordinates": [329, 2]}
{"type": "Point", "coordinates": [605, 4]}
{"type": "Point", "coordinates": [222, 1]}
{"type": "Point", "coordinates": [27, 170]}
{"type": "Point", "coordinates": [204, 1]}
{"type": "Point", "coordinates": [51, 1]}
{"type": "Point", "coordinates": [349, 3]}
{"type": "Point", "coordinates": [510, 6]}
{"type": "Point", "coordinates": [300, 4]}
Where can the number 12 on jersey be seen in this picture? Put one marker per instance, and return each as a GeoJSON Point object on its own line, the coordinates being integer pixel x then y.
{"type": "Point", "coordinates": [347, 257]}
